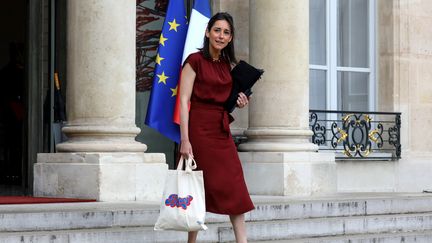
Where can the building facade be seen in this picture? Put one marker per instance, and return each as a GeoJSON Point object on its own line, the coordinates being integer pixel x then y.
{"type": "Point", "coordinates": [367, 59]}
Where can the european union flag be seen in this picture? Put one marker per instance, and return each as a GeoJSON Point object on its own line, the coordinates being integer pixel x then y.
{"type": "Point", "coordinates": [167, 72]}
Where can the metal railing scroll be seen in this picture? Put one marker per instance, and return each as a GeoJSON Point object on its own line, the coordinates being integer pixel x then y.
{"type": "Point", "coordinates": [357, 134]}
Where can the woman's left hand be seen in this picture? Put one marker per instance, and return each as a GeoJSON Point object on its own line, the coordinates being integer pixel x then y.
{"type": "Point", "coordinates": [242, 100]}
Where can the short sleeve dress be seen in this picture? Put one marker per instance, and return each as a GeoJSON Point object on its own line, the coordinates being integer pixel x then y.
{"type": "Point", "coordinates": [211, 140]}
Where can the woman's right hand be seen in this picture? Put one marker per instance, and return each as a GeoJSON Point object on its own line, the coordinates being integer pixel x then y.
{"type": "Point", "coordinates": [186, 149]}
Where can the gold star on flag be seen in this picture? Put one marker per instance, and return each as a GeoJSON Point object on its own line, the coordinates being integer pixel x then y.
{"type": "Point", "coordinates": [173, 25]}
{"type": "Point", "coordinates": [162, 40]}
{"type": "Point", "coordinates": [162, 78]}
{"type": "Point", "coordinates": [159, 59]}
{"type": "Point", "coordinates": [174, 91]}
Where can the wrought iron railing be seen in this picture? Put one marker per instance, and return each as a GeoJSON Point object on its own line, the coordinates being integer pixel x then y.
{"type": "Point", "coordinates": [357, 134]}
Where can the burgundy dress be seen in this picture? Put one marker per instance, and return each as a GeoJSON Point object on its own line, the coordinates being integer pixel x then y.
{"type": "Point", "coordinates": [212, 144]}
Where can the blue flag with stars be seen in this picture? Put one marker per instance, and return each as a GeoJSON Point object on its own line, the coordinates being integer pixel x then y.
{"type": "Point", "coordinates": [167, 72]}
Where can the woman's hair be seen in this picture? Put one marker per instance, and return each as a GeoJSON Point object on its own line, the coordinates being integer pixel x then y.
{"type": "Point", "coordinates": [228, 52]}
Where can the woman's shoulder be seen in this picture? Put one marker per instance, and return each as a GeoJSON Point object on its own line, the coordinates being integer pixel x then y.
{"type": "Point", "coordinates": [195, 59]}
{"type": "Point", "coordinates": [196, 55]}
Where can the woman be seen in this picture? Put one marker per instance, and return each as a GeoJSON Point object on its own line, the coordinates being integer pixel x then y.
{"type": "Point", "coordinates": [205, 134]}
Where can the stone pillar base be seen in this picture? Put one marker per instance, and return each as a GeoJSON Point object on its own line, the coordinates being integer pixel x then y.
{"type": "Point", "coordinates": [278, 139]}
{"type": "Point", "coordinates": [289, 173]}
{"type": "Point", "coordinates": [101, 176]}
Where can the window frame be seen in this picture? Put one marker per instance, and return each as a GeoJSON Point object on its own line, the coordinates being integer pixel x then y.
{"type": "Point", "coordinates": [331, 66]}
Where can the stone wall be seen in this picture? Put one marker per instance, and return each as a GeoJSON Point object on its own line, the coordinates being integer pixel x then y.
{"type": "Point", "coordinates": [405, 68]}
{"type": "Point", "coordinates": [404, 84]}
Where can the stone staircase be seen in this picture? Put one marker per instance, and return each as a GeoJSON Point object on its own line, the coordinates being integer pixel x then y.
{"type": "Point", "coordinates": [331, 219]}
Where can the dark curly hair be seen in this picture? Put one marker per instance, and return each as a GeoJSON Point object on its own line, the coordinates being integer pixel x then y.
{"type": "Point", "coordinates": [228, 52]}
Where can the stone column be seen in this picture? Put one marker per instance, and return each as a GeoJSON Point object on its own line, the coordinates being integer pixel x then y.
{"type": "Point", "coordinates": [101, 158]}
{"type": "Point", "coordinates": [101, 77]}
{"type": "Point", "coordinates": [278, 149]}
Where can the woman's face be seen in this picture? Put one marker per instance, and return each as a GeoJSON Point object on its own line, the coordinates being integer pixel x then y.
{"type": "Point", "coordinates": [219, 35]}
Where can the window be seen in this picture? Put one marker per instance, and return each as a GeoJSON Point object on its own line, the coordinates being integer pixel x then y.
{"type": "Point", "coordinates": [342, 54]}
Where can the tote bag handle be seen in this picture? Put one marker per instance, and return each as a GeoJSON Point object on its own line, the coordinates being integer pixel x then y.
{"type": "Point", "coordinates": [190, 164]}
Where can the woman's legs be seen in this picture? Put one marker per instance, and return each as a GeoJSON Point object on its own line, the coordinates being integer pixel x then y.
{"type": "Point", "coordinates": [192, 236]}
{"type": "Point", "coordinates": [239, 226]}
{"type": "Point", "coordinates": [238, 222]}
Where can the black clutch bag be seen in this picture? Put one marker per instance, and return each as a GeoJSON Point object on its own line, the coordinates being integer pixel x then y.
{"type": "Point", "coordinates": [244, 77]}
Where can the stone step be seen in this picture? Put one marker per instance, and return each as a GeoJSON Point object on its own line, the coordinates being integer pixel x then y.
{"type": "Point", "coordinates": [76, 216]}
{"type": "Point", "coordinates": [102, 215]}
{"type": "Point", "coordinates": [275, 218]}
{"type": "Point", "coordinates": [271, 208]}
{"type": "Point", "coordinates": [332, 226]}
{"type": "Point", "coordinates": [417, 237]}
{"type": "Point", "coordinates": [353, 227]}
{"type": "Point", "coordinates": [103, 235]}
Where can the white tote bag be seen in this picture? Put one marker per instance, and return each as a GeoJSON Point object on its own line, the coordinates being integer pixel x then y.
{"type": "Point", "coordinates": [183, 202]}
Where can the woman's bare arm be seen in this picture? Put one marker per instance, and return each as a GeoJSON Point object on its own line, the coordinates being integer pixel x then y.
{"type": "Point", "coordinates": [186, 86]}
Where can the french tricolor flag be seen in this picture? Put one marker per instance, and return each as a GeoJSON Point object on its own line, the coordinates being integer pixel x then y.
{"type": "Point", "coordinates": [194, 40]}
{"type": "Point", "coordinates": [197, 25]}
